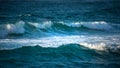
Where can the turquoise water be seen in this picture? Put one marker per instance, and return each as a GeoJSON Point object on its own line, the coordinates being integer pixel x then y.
{"type": "Point", "coordinates": [60, 34]}
{"type": "Point", "coordinates": [70, 56]}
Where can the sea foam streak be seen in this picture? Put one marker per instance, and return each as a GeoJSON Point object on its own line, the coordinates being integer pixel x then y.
{"type": "Point", "coordinates": [97, 43]}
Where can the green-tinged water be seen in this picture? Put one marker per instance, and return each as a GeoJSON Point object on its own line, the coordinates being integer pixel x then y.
{"type": "Point", "coordinates": [70, 56]}
{"type": "Point", "coordinates": [60, 34]}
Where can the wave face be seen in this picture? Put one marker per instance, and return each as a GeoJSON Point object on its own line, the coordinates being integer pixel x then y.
{"type": "Point", "coordinates": [61, 27]}
{"type": "Point", "coordinates": [75, 51]}
{"type": "Point", "coordinates": [71, 55]}
{"type": "Point", "coordinates": [60, 34]}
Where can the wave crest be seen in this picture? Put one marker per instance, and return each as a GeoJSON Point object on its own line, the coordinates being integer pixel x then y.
{"type": "Point", "coordinates": [97, 43]}
{"type": "Point", "coordinates": [53, 26]}
{"type": "Point", "coordinates": [99, 25]}
{"type": "Point", "coordinates": [42, 25]}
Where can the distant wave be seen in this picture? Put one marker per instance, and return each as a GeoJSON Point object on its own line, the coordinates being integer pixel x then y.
{"type": "Point", "coordinates": [98, 25]}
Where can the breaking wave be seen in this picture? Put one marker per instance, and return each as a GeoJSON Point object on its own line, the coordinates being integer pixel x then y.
{"type": "Point", "coordinates": [52, 26]}
{"type": "Point", "coordinates": [17, 28]}
{"type": "Point", "coordinates": [101, 44]}
{"type": "Point", "coordinates": [101, 25]}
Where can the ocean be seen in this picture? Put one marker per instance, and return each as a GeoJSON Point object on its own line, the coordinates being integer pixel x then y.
{"type": "Point", "coordinates": [59, 34]}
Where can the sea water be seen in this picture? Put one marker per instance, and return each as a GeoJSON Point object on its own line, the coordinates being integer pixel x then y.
{"type": "Point", "coordinates": [59, 34]}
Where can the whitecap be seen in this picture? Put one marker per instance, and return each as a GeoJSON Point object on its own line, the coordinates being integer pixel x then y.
{"type": "Point", "coordinates": [17, 28]}
{"type": "Point", "coordinates": [42, 25]}
{"type": "Point", "coordinates": [99, 25]}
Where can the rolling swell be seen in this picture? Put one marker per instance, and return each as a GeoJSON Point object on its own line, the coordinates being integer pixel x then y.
{"type": "Point", "coordinates": [22, 27]}
{"type": "Point", "coordinates": [69, 55]}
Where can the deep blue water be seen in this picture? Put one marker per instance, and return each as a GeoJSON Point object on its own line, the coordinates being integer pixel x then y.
{"type": "Point", "coordinates": [60, 34]}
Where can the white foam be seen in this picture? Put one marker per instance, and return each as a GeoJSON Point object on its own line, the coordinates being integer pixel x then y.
{"type": "Point", "coordinates": [17, 28]}
{"type": "Point", "coordinates": [91, 42]}
{"type": "Point", "coordinates": [95, 25]}
{"type": "Point", "coordinates": [98, 46]}
{"type": "Point", "coordinates": [42, 25]}
{"type": "Point", "coordinates": [99, 25]}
